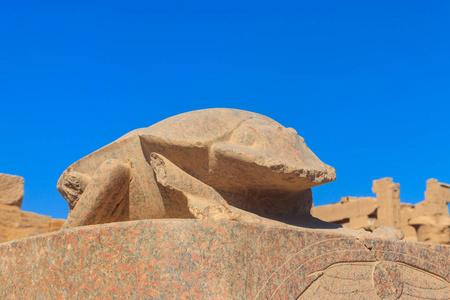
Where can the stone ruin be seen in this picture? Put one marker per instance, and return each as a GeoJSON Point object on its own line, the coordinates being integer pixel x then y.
{"type": "Point", "coordinates": [15, 223]}
{"type": "Point", "coordinates": [426, 221]}
{"type": "Point", "coordinates": [212, 204]}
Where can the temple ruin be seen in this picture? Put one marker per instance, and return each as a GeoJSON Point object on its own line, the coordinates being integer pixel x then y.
{"type": "Point", "coordinates": [426, 221]}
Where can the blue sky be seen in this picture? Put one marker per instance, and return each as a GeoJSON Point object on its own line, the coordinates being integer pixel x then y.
{"type": "Point", "coordinates": [366, 83]}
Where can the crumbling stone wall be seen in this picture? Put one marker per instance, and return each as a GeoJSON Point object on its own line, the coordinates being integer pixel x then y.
{"type": "Point", "coordinates": [426, 221]}
{"type": "Point", "coordinates": [15, 223]}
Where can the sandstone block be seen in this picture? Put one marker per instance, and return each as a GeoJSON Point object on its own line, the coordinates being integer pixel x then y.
{"type": "Point", "coordinates": [11, 190]}
{"type": "Point", "coordinates": [349, 208]}
{"type": "Point", "coordinates": [18, 224]}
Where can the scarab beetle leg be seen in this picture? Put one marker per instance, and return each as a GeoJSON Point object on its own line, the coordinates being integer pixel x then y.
{"type": "Point", "coordinates": [104, 199]}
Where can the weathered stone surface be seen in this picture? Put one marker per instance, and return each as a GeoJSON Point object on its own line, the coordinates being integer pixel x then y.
{"type": "Point", "coordinates": [390, 233]}
{"type": "Point", "coordinates": [17, 224]}
{"type": "Point", "coordinates": [230, 185]}
{"type": "Point", "coordinates": [427, 221]}
{"type": "Point", "coordinates": [214, 163]}
{"type": "Point", "coordinates": [233, 183]}
{"type": "Point", "coordinates": [431, 217]}
{"type": "Point", "coordinates": [388, 198]}
{"type": "Point", "coordinates": [11, 190]}
{"type": "Point", "coordinates": [349, 208]}
{"type": "Point", "coordinates": [210, 259]}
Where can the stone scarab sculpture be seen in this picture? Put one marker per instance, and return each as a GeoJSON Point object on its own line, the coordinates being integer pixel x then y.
{"type": "Point", "coordinates": [212, 163]}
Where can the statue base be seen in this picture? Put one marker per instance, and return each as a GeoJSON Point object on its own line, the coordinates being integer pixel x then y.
{"type": "Point", "coordinates": [206, 259]}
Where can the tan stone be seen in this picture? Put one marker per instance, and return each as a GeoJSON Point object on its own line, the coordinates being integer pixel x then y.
{"type": "Point", "coordinates": [214, 163]}
{"type": "Point", "coordinates": [351, 211]}
{"type": "Point", "coordinates": [17, 224]}
{"type": "Point", "coordinates": [437, 197]}
{"type": "Point", "coordinates": [388, 198]}
{"type": "Point", "coordinates": [409, 232]}
{"type": "Point", "coordinates": [359, 222]}
{"type": "Point", "coordinates": [427, 221]}
{"type": "Point", "coordinates": [388, 233]}
{"type": "Point", "coordinates": [11, 190]}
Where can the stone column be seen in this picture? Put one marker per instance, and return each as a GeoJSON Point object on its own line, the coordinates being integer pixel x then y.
{"type": "Point", "coordinates": [388, 198]}
{"type": "Point", "coordinates": [437, 196]}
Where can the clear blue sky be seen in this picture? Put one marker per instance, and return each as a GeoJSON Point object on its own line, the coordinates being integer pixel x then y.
{"type": "Point", "coordinates": [366, 83]}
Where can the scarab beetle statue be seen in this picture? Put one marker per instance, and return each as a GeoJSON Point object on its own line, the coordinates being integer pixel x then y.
{"type": "Point", "coordinates": [212, 163]}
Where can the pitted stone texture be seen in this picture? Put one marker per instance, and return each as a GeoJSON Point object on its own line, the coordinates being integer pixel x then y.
{"type": "Point", "coordinates": [11, 190]}
{"type": "Point", "coordinates": [244, 160]}
{"type": "Point", "coordinates": [206, 259]}
{"type": "Point", "coordinates": [387, 280]}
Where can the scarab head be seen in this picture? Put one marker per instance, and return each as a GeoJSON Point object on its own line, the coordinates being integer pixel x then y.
{"type": "Point", "coordinates": [232, 149]}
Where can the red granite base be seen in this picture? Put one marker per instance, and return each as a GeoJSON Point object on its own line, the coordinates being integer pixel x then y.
{"type": "Point", "coordinates": [204, 259]}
